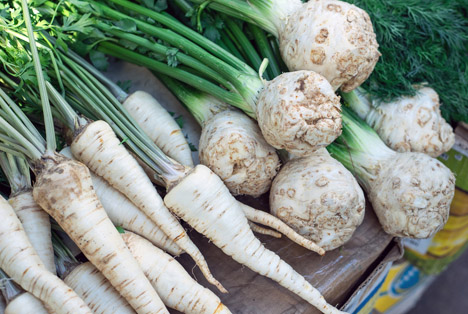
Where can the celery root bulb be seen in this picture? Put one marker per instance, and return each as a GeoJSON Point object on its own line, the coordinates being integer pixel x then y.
{"type": "Point", "coordinates": [413, 124]}
{"type": "Point", "coordinates": [232, 145]}
{"type": "Point", "coordinates": [411, 195]}
{"type": "Point", "coordinates": [330, 37]}
{"type": "Point", "coordinates": [299, 111]}
{"type": "Point", "coordinates": [319, 198]}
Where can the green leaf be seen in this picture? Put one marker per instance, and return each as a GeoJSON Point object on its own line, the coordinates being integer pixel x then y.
{"type": "Point", "coordinates": [161, 5]}
{"type": "Point", "coordinates": [192, 147]}
{"type": "Point", "coordinates": [171, 55]}
{"type": "Point", "coordinates": [99, 60]}
{"type": "Point", "coordinates": [61, 43]}
{"type": "Point", "coordinates": [125, 85]}
{"type": "Point", "coordinates": [180, 121]}
{"type": "Point", "coordinates": [120, 229]}
{"type": "Point", "coordinates": [126, 25]}
{"type": "Point", "coordinates": [128, 44]}
{"type": "Point", "coordinates": [158, 6]}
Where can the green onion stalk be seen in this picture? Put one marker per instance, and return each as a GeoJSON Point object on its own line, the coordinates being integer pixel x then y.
{"type": "Point", "coordinates": [333, 38]}
{"type": "Point", "coordinates": [297, 111]}
{"type": "Point", "coordinates": [410, 123]}
{"type": "Point", "coordinates": [410, 192]}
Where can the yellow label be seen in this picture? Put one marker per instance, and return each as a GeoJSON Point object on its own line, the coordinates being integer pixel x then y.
{"type": "Point", "coordinates": [400, 280]}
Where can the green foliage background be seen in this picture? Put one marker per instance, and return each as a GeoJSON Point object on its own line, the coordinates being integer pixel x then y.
{"type": "Point", "coordinates": [421, 41]}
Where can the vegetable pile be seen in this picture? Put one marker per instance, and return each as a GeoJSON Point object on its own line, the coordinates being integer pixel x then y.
{"type": "Point", "coordinates": [278, 90]}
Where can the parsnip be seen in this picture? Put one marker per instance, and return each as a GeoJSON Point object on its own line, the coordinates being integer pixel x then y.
{"type": "Point", "coordinates": [258, 229]}
{"type": "Point", "coordinates": [148, 113]}
{"type": "Point", "coordinates": [124, 213]}
{"type": "Point", "coordinates": [17, 301]}
{"type": "Point", "coordinates": [64, 190]}
{"type": "Point", "coordinates": [87, 281]}
{"type": "Point", "coordinates": [81, 216]}
{"type": "Point", "coordinates": [36, 224]}
{"type": "Point", "coordinates": [96, 291]}
{"type": "Point", "coordinates": [218, 216]}
{"type": "Point", "coordinates": [159, 125]}
{"type": "Point", "coordinates": [34, 219]}
{"type": "Point", "coordinates": [20, 261]}
{"type": "Point", "coordinates": [271, 221]}
{"type": "Point", "coordinates": [25, 303]}
{"type": "Point", "coordinates": [100, 149]}
{"type": "Point", "coordinates": [175, 286]}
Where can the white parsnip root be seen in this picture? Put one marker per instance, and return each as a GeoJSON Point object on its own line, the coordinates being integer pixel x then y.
{"type": "Point", "coordinates": [271, 221]}
{"type": "Point", "coordinates": [175, 286]}
{"type": "Point", "coordinates": [218, 216]}
{"type": "Point", "coordinates": [159, 125]}
{"type": "Point", "coordinates": [21, 262]}
{"type": "Point", "coordinates": [64, 189]}
{"type": "Point", "coordinates": [36, 224]}
{"type": "Point", "coordinates": [125, 214]}
{"type": "Point", "coordinates": [96, 290]}
{"type": "Point", "coordinates": [319, 198]}
{"type": "Point", "coordinates": [258, 229]}
{"type": "Point", "coordinates": [25, 303]}
{"type": "Point", "coordinates": [99, 148]}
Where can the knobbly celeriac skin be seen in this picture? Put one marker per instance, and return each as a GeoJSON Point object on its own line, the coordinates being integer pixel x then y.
{"type": "Point", "coordinates": [411, 195]}
{"type": "Point", "coordinates": [333, 38]}
{"type": "Point", "coordinates": [232, 145]}
{"type": "Point", "coordinates": [319, 198]}
{"type": "Point", "coordinates": [299, 112]}
{"type": "Point", "coordinates": [413, 124]}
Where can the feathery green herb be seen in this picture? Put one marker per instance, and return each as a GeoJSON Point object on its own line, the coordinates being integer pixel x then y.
{"type": "Point", "coordinates": [421, 41]}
